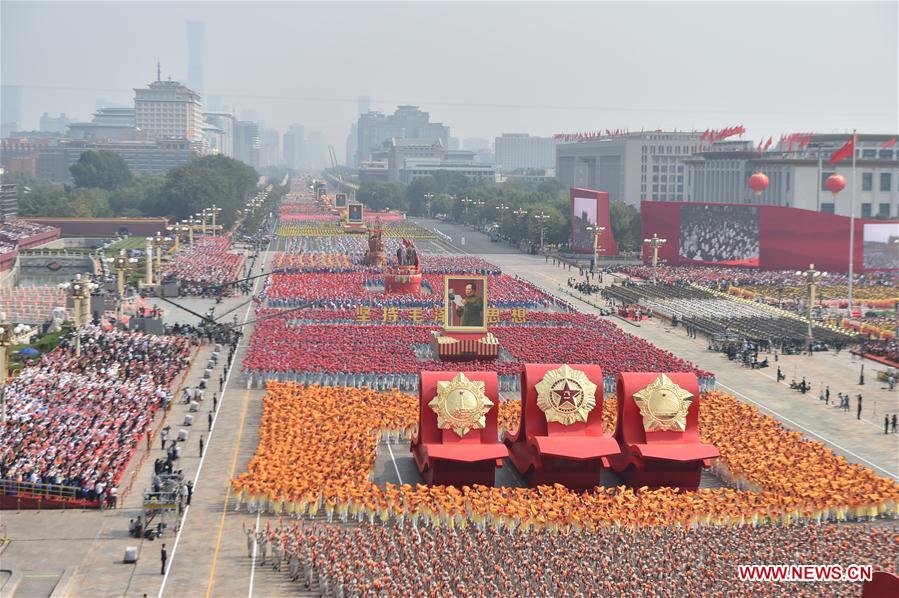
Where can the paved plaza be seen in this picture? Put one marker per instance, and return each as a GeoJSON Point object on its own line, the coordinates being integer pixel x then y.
{"type": "Point", "coordinates": [81, 553]}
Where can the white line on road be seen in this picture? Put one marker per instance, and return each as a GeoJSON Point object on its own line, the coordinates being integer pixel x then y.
{"type": "Point", "coordinates": [183, 523]}
{"type": "Point", "coordinates": [253, 560]}
{"type": "Point", "coordinates": [397, 469]}
{"type": "Point", "coordinates": [807, 431]}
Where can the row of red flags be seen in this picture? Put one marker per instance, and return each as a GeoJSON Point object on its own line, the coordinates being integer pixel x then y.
{"type": "Point", "coordinates": [848, 149]}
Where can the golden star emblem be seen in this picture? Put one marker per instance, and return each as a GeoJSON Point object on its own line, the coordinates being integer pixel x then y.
{"type": "Point", "coordinates": [461, 405]}
{"type": "Point", "coordinates": [566, 395]}
{"type": "Point", "coordinates": [663, 405]}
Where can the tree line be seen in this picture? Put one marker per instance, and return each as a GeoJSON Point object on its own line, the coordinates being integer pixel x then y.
{"type": "Point", "coordinates": [103, 187]}
{"type": "Point", "coordinates": [515, 207]}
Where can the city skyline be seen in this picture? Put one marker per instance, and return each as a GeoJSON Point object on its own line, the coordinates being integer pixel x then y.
{"type": "Point", "coordinates": [692, 88]}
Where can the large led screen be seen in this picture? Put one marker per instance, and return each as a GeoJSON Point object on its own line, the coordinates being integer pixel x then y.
{"type": "Point", "coordinates": [881, 246]}
{"type": "Point", "coordinates": [583, 215]}
{"type": "Point", "coordinates": [719, 234]}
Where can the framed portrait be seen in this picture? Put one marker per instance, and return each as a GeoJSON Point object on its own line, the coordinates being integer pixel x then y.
{"type": "Point", "coordinates": [465, 303]}
{"type": "Point", "coordinates": [354, 213]}
{"type": "Point", "coordinates": [340, 200]}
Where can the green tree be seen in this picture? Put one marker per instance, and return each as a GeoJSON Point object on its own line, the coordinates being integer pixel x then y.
{"type": "Point", "coordinates": [415, 194]}
{"type": "Point", "coordinates": [44, 201]}
{"type": "Point", "coordinates": [381, 196]}
{"type": "Point", "coordinates": [89, 203]}
{"type": "Point", "coordinates": [103, 169]}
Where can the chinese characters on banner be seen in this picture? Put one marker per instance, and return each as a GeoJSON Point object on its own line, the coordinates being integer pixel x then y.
{"type": "Point", "coordinates": [417, 315]}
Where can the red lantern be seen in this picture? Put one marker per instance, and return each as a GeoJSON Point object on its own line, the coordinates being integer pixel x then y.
{"type": "Point", "coordinates": [758, 183]}
{"type": "Point", "coordinates": [835, 183]}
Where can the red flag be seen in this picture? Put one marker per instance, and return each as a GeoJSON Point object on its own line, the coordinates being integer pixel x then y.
{"type": "Point", "coordinates": [889, 143]}
{"type": "Point", "coordinates": [760, 148]}
{"type": "Point", "coordinates": [769, 142]}
{"type": "Point", "coordinates": [844, 152]}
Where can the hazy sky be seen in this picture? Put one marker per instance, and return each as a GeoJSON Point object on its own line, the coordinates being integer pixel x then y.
{"type": "Point", "coordinates": [481, 68]}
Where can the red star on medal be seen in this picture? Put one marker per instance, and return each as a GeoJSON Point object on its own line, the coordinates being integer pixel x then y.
{"type": "Point", "coordinates": [566, 395]}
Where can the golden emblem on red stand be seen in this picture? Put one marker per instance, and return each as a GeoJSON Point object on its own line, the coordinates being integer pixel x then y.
{"type": "Point", "coordinates": [663, 405]}
{"type": "Point", "coordinates": [566, 395]}
{"type": "Point", "coordinates": [461, 405]}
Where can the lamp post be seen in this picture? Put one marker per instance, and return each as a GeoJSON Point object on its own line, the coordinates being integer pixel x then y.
{"type": "Point", "coordinates": [80, 291]}
{"type": "Point", "coordinates": [811, 278]}
{"type": "Point", "coordinates": [541, 218]}
{"type": "Point", "coordinates": [521, 213]}
{"type": "Point", "coordinates": [428, 197]}
{"type": "Point", "coordinates": [597, 231]}
{"type": "Point", "coordinates": [655, 243]}
{"type": "Point", "coordinates": [122, 264]}
{"type": "Point", "coordinates": [213, 212]}
{"type": "Point", "coordinates": [6, 338]}
{"type": "Point", "coordinates": [148, 276]}
{"type": "Point", "coordinates": [202, 216]}
{"type": "Point", "coordinates": [158, 241]}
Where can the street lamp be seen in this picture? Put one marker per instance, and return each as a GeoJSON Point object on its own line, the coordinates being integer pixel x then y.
{"type": "Point", "coordinates": [811, 282]}
{"type": "Point", "coordinates": [202, 217]}
{"type": "Point", "coordinates": [80, 291]}
{"type": "Point", "coordinates": [655, 243]}
{"type": "Point", "coordinates": [428, 197]}
{"type": "Point", "coordinates": [123, 264]}
{"type": "Point", "coordinates": [596, 230]}
{"type": "Point", "coordinates": [521, 213]}
{"type": "Point", "coordinates": [541, 219]}
{"type": "Point", "coordinates": [158, 240]}
{"type": "Point", "coordinates": [213, 212]}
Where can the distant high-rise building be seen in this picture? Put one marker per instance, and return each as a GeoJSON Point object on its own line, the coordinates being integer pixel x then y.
{"type": "Point", "coordinates": [408, 122]}
{"type": "Point", "coordinates": [195, 77]}
{"type": "Point", "coordinates": [111, 124]}
{"type": "Point", "coordinates": [632, 167]}
{"type": "Point", "coordinates": [168, 109]}
{"type": "Point", "coordinates": [515, 151]}
{"type": "Point", "coordinates": [248, 114]}
{"type": "Point", "coordinates": [475, 143]}
{"type": "Point", "coordinates": [218, 131]}
{"type": "Point", "coordinates": [351, 141]}
{"type": "Point", "coordinates": [316, 151]}
{"type": "Point", "coordinates": [453, 144]}
{"type": "Point", "coordinates": [215, 104]}
{"type": "Point", "coordinates": [54, 124]}
{"type": "Point", "coordinates": [295, 147]}
{"type": "Point", "coordinates": [247, 143]}
{"type": "Point", "coordinates": [9, 202]}
{"type": "Point", "coordinates": [10, 109]}
{"type": "Point", "coordinates": [270, 151]}
{"type": "Point", "coordinates": [363, 105]}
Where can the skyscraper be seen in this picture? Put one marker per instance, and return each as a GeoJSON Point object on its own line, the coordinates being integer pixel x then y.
{"type": "Point", "coordinates": [168, 109]}
{"type": "Point", "coordinates": [363, 105]}
{"type": "Point", "coordinates": [195, 77]}
{"type": "Point", "coordinates": [10, 109]}
{"type": "Point", "coordinates": [295, 147]}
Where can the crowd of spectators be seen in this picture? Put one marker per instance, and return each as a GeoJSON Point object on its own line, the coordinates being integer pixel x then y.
{"type": "Point", "coordinates": [76, 420]}
{"type": "Point", "coordinates": [204, 266]}
{"type": "Point", "coordinates": [886, 349]}
{"type": "Point", "coordinates": [14, 231]}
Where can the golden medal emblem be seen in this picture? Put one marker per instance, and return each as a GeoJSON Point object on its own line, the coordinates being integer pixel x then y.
{"type": "Point", "coordinates": [663, 405]}
{"type": "Point", "coordinates": [461, 405]}
{"type": "Point", "coordinates": [566, 395]}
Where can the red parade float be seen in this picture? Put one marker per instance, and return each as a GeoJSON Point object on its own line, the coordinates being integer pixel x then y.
{"type": "Point", "coordinates": [405, 276]}
{"type": "Point", "coordinates": [464, 336]}
{"type": "Point", "coordinates": [560, 438]}
{"type": "Point", "coordinates": [456, 443]}
{"type": "Point", "coordinates": [658, 431]}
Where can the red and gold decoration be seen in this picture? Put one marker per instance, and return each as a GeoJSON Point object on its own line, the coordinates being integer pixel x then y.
{"type": "Point", "coordinates": [465, 310]}
{"type": "Point", "coordinates": [404, 277]}
{"type": "Point", "coordinates": [457, 434]}
{"type": "Point", "coordinates": [835, 183]}
{"type": "Point", "coordinates": [566, 395]}
{"type": "Point", "coordinates": [560, 437]}
{"type": "Point", "coordinates": [663, 405]}
{"type": "Point", "coordinates": [658, 431]}
{"type": "Point", "coordinates": [460, 405]}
